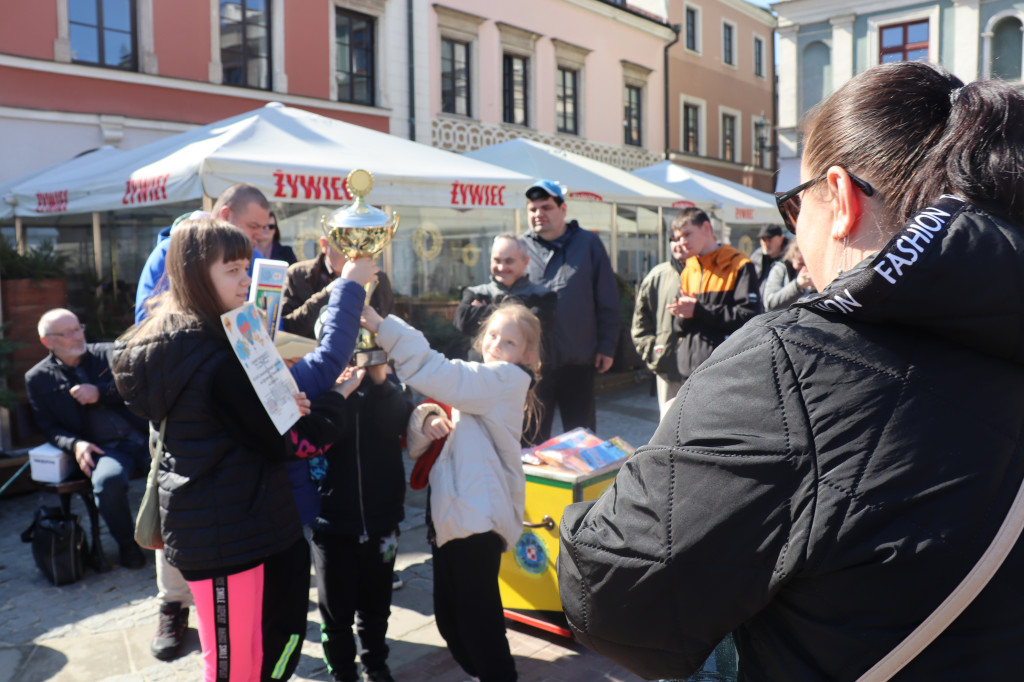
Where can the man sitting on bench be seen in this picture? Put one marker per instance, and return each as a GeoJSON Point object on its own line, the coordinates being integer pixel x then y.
{"type": "Point", "coordinates": [77, 406]}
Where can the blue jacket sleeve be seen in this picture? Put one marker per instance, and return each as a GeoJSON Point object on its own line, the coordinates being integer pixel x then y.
{"type": "Point", "coordinates": [317, 371]}
{"type": "Point", "coordinates": [149, 280]}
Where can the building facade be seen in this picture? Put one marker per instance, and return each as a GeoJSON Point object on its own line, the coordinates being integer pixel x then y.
{"type": "Point", "coordinates": [721, 107]}
{"type": "Point", "coordinates": [822, 44]}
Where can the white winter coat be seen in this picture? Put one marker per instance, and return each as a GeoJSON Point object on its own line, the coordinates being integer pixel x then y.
{"type": "Point", "coordinates": [477, 483]}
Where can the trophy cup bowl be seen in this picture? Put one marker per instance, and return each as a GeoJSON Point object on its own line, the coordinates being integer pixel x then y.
{"type": "Point", "coordinates": [360, 231]}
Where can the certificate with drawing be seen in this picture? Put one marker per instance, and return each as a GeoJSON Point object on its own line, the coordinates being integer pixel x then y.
{"type": "Point", "coordinates": [274, 384]}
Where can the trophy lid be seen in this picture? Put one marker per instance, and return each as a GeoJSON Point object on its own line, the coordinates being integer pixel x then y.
{"type": "Point", "coordinates": [359, 214]}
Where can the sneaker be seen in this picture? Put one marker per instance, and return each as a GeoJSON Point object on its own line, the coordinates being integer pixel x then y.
{"type": "Point", "coordinates": [396, 582]}
{"type": "Point", "coordinates": [378, 675]}
{"type": "Point", "coordinates": [170, 631]}
{"type": "Point", "coordinates": [132, 556]}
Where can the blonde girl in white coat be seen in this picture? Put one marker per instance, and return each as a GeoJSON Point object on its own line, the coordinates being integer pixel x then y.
{"type": "Point", "coordinates": [477, 483]}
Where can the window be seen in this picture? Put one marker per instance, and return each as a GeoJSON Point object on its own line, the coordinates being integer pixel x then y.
{"type": "Point", "coordinates": [758, 57]}
{"type": "Point", "coordinates": [102, 32]}
{"type": "Point", "coordinates": [245, 42]}
{"type": "Point", "coordinates": [1006, 49]}
{"type": "Point", "coordinates": [514, 81]}
{"type": "Point", "coordinates": [565, 101]}
{"type": "Point", "coordinates": [693, 29]}
{"type": "Point", "coordinates": [728, 137]}
{"type": "Point", "coordinates": [728, 49]}
{"type": "Point", "coordinates": [633, 121]}
{"type": "Point", "coordinates": [455, 78]}
{"type": "Point", "coordinates": [691, 129]}
{"type": "Point", "coordinates": [904, 42]}
{"type": "Point", "coordinates": [761, 142]}
{"type": "Point", "coordinates": [354, 67]}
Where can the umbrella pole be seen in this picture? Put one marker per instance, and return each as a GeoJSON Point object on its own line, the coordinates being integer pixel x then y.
{"type": "Point", "coordinates": [207, 202]}
{"type": "Point", "coordinates": [518, 218]}
{"type": "Point", "coordinates": [662, 255]}
{"type": "Point", "coordinates": [615, 238]}
{"type": "Point", "coordinates": [19, 235]}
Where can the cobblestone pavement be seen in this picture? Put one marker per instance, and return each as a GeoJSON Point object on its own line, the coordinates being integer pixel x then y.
{"type": "Point", "coordinates": [100, 627]}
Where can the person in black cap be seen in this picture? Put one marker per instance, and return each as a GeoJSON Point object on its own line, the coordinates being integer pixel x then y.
{"type": "Point", "coordinates": [773, 245]}
{"type": "Point", "coordinates": [573, 263]}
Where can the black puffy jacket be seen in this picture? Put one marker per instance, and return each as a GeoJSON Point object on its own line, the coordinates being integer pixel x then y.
{"type": "Point", "coordinates": [827, 478]}
{"type": "Point", "coordinates": [364, 491]}
{"type": "Point", "coordinates": [225, 501]}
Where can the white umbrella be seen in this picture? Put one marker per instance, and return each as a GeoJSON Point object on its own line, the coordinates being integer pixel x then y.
{"type": "Point", "coordinates": [732, 202]}
{"type": "Point", "coordinates": [293, 156]}
{"type": "Point", "coordinates": [7, 196]}
{"type": "Point", "coordinates": [584, 178]}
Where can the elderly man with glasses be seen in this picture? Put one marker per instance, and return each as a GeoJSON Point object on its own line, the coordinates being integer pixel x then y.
{"type": "Point", "coordinates": [77, 406]}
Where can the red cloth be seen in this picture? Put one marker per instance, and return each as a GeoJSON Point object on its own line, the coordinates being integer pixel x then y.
{"type": "Point", "coordinates": [421, 471]}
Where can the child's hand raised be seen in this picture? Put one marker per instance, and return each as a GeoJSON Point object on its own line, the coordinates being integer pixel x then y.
{"type": "Point", "coordinates": [349, 381]}
{"type": "Point", "coordinates": [437, 426]}
{"type": "Point", "coordinates": [361, 270]}
{"type": "Point", "coordinates": [371, 319]}
{"type": "Point", "coordinates": [303, 402]}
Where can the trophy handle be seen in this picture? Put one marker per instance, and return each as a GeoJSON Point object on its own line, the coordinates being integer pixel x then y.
{"type": "Point", "coordinates": [394, 227]}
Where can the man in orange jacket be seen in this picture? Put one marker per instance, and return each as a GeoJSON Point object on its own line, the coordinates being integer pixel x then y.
{"type": "Point", "coordinates": [718, 291]}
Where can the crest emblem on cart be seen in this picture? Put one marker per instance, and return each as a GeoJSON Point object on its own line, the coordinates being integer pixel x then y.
{"type": "Point", "coordinates": [531, 553]}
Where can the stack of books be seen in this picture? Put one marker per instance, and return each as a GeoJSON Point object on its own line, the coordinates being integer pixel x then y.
{"type": "Point", "coordinates": [578, 451]}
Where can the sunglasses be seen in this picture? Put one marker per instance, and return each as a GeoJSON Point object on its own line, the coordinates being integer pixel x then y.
{"type": "Point", "coordinates": [789, 202]}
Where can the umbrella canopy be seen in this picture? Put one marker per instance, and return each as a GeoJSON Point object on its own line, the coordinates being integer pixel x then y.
{"type": "Point", "coordinates": [582, 177]}
{"type": "Point", "coordinates": [732, 202]}
{"type": "Point", "coordinates": [291, 155]}
{"type": "Point", "coordinates": [57, 170]}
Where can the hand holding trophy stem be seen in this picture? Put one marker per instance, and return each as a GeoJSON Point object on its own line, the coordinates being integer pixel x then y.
{"type": "Point", "coordinates": [361, 231]}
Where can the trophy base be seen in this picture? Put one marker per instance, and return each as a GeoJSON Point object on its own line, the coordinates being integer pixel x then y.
{"type": "Point", "coordinates": [370, 357]}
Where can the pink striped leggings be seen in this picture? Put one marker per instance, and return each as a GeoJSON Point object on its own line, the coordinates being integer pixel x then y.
{"type": "Point", "coordinates": [230, 614]}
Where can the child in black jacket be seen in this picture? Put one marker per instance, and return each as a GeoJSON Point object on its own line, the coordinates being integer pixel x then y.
{"type": "Point", "coordinates": [355, 537]}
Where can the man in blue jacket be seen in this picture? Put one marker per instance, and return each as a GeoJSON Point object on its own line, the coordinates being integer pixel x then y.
{"type": "Point", "coordinates": [573, 263]}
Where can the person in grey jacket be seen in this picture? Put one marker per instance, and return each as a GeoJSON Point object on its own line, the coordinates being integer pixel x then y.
{"type": "Point", "coordinates": [573, 263]}
{"type": "Point", "coordinates": [787, 280]}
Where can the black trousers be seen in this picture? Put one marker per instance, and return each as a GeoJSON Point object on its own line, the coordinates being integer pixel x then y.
{"type": "Point", "coordinates": [467, 606]}
{"type": "Point", "coordinates": [354, 583]}
{"type": "Point", "coordinates": [285, 610]}
{"type": "Point", "coordinates": [570, 388]}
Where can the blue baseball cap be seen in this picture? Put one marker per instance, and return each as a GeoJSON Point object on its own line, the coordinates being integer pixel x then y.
{"type": "Point", "coordinates": [551, 187]}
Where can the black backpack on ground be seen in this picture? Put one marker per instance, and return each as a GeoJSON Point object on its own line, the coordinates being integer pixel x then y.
{"type": "Point", "coordinates": [58, 545]}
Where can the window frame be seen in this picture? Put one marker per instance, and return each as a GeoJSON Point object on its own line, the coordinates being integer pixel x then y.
{"type": "Point", "coordinates": [697, 110]}
{"type": "Point", "coordinates": [733, 51]}
{"type": "Point", "coordinates": [759, 57]}
{"type": "Point", "coordinates": [467, 46]}
{"type": "Point", "coordinates": [697, 33]}
{"type": "Point", "coordinates": [737, 134]}
{"type": "Point", "coordinates": [244, 23]}
{"type": "Point", "coordinates": [100, 29]}
{"type": "Point", "coordinates": [560, 99]}
{"type": "Point", "coordinates": [904, 47]}
{"type": "Point", "coordinates": [627, 119]}
{"type": "Point", "coordinates": [508, 105]}
{"type": "Point", "coordinates": [875, 22]}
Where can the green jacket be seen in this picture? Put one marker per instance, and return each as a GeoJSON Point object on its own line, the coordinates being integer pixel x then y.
{"type": "Point", "coordinates": [652, 331]}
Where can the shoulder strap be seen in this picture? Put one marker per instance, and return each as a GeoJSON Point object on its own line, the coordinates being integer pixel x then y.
{"type": "Point", "coordinates": [958, 600]}
{"type": "Point", "coordinates": [160, 440]}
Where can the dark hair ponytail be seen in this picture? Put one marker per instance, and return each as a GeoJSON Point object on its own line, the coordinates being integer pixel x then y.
{"type": "Point", "coordinates": [915, 131]}
{"type": "Point", "coordinates": [981, 154]}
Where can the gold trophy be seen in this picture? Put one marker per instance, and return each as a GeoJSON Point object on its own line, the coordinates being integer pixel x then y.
{"type": "Point", "coordinates": [358, 231]}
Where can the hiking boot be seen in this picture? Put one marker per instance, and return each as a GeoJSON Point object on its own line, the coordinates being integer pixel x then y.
{"type": "Point", "coordinates": [170, 631]}
{"type": "Point", "coordinates": [378, 675]}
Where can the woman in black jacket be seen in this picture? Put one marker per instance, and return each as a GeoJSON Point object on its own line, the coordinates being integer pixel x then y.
{"type": "Point", "coordinates": [833, 471]}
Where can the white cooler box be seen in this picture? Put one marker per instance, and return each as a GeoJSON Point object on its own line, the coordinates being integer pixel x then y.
{"type": "Point", "coordinates": [50, 464]}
